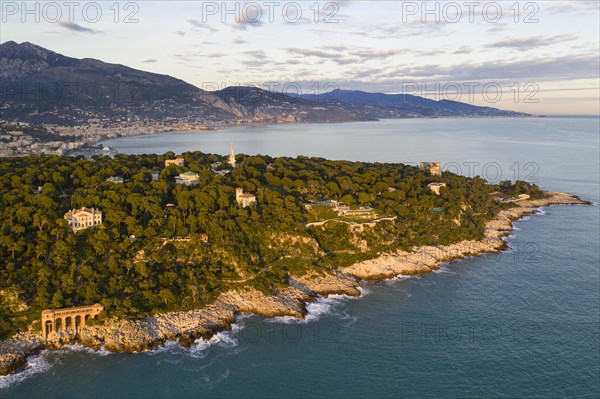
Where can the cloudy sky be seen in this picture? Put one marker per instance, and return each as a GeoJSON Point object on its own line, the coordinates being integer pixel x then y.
{"type": "Point", "coordinates": [539, 57]}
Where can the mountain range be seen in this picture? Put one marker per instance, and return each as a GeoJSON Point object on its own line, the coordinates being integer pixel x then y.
{"type": "Point", "coordinates": [40, 86]}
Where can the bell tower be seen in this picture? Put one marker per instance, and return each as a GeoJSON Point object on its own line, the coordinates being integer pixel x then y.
{"type": "Point", "coordinates": [231, 159]}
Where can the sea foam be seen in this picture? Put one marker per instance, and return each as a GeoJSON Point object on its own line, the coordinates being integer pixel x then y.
{"type": "Point", "coordinates": [35, 365]}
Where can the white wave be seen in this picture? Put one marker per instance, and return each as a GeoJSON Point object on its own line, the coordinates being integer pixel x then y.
{"type": "Point", "coordinates": [363, 291]}
{"type": "Point", "coordinates": [399, 277]}
{"type": "Point", "coordinates": [443, 270]}
{"type": "Point", "coordinates": [315, 310]}
{"type": "Point", "coordinates": [225, 339]}
{"type": "Point", "coordinates": [35, 365]}
{"type": "Point", "coordinates": [165, 347]}
{"type": "Point", "coordinates": [81, 348]}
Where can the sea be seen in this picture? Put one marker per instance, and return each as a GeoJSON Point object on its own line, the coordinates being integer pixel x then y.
{"type": "Point", "coordinates": [523, 323]}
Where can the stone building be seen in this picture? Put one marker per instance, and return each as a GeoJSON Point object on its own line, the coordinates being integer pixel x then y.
{"type": "Point", "coordinates": [68, 319]}
{"type": "Point", "coordinates": [246, 199]}
{"type": "Point", "coordinates": [432, 167]}
{"type": "Point", "coordinates": [83, 218]}
{"type": "Point", "coordinates": [180, 162]}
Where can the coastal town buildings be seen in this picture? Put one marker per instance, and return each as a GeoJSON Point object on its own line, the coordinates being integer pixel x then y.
{"type": "Point", "coordinates": [180, 162]}
{"type": "Point", "coordinates": [244, 199]}
{"type": "Point", "coordinates": [432, 167]}
{"type": "Point", "coordinates": [80, 219]}
{"type": "Point", "coordinates": [436, 187]}
{"type": "Point", "coordinates": [188, 179]}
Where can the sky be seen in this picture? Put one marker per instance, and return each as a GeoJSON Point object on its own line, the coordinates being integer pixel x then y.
{"type": "Point", "coordinates": [540, 57]}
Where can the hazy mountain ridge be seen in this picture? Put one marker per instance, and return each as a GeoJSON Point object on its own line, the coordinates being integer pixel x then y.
{"type": "Point", "coordinates": [40, 86]}
{"type": "Point", "coordinates": [381, 105]}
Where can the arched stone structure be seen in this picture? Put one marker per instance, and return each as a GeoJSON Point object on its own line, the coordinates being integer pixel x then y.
{"type": "Point", "coordinates": [68, 319]}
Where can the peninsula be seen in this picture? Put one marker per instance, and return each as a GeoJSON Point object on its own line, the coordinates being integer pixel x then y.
{"type": "Point", "coordinates": [128, 252]}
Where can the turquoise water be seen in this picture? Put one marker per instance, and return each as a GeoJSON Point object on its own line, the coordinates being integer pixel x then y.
{"type": "Point", "coordinates": [522, 323]}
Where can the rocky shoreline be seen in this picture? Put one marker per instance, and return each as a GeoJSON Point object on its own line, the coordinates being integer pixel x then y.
{"type": "Point", "coordinates": [152, 331]}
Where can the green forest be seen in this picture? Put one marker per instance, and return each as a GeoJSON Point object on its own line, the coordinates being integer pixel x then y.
{"type": "Point", "coordinates": [132, 265]}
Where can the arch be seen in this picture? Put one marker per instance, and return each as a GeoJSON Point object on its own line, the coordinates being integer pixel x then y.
{"type": "Point", "coordinates": [48, 328]}
{"type": "Point", "coordinates": [58, 324]}
{"type": "Point", "coordinates": [87, 316]}
{"type": "Point", "coordinates": [77, 323]}
{"type": "Point", "coordinates": [68, 323]}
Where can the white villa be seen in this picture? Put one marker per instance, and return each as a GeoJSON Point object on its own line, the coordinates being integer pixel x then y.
{"type": "Point", "coordinates": [81, 219]}
{"type": "Point", "coordinates": [115, 180]}
{"type": "Point", "coordinates": [187, 178]}
{"type": "Point", "coordinates": [180, 162]}
{"type": "Point", "coordinates": [436, 187]}
{"type": "Point", "coordinates": [244, 199]}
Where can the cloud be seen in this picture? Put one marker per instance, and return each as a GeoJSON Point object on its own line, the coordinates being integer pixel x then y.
{"type": "Point", "coordinates": [529, 70]}
{"type": "Point", "coordinates": [251, 16]}
{"type": "Point", "coordinates": [200, 26]}
{"type": "Point", "coordinates": [243, 24]}
{"type": "Point", "coordinates": [333, 56]}
{"type": "Point", "coordinates": [76, 28]}
{"type": "Point", "coordinates": [150, 60]}
{"type": "Point", "coordinates": [345, 55]}
{"type": "Point", "coordinates": [238, 40]}
{"type": "Point", "coordinates": [256, 54]}
{"type": "Point", "coordinates": [192, 56]}
{"type": "Point", "coordinates": [180, 33]}
{"type": "Point", "coordinates": [523, 44]}
{"type": "Point", "coordinates": [464, 50]}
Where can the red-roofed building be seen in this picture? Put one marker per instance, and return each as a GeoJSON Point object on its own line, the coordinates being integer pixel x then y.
{"type": "Point", "coordinates": [244, 199]}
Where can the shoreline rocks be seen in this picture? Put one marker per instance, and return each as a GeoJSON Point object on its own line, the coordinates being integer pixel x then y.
{"type": "Point", "coordinates": [187, 326]}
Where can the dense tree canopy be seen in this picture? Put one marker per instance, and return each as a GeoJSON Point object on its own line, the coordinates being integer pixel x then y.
{"type": "Point", "coordinates": [131, 265]}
